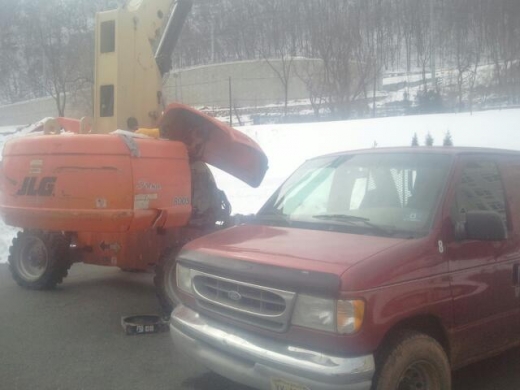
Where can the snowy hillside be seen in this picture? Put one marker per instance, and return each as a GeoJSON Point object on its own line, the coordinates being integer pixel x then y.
{"type": "Point", "coordinates": [287, 146]}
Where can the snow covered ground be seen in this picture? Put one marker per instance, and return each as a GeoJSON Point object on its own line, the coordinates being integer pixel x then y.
{"type": "Point", "coordinates": [287, 146]}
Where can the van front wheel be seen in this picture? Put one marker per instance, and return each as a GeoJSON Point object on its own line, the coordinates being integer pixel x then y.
{"type": "Point", "coordinates": [164, 281]}
{"type": "Point", "coordinates": [412, 361]}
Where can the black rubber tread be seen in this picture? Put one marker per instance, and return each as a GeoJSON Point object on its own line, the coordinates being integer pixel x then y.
{"type": "Point", "coordinates": [57, 246]}
{"type": "Point", "coordinates": [165, 265]}
{"type": "Point", "coordinates": [401, 351]}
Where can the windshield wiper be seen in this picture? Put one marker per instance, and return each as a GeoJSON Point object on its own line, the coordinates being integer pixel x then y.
{"type": "Point", "coordinates": [274, 217]}
{"type": "Point", "coordinates": [353, 219]}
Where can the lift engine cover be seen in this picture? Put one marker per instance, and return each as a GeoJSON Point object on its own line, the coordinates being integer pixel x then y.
{"type": "Point", "coordinates": [94, 183]}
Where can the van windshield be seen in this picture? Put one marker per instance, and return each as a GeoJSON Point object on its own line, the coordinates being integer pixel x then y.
{"type": "Point", "coordinates": [394, 194]}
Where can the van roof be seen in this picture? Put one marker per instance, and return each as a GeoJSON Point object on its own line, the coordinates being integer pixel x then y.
{"type": "Point", "coordinates": [448, 150]}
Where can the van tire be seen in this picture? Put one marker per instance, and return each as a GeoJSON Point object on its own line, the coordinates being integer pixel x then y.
{"type": "Point", "coordinates": [39, 260]}
{"type": "Point", "coordinates": [411, 357]}
{"type": "Point", "coordinates": [164, 271]}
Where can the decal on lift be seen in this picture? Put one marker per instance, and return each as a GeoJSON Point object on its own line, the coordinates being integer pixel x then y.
{"type": "Point", "coordinates": [30, 186]}
{"type": "Point", "coordinates": [35, 167]}
{"type": "Point", "coordinates": [101, 203]}
{"type": "Point", "coordinates": [181, 200]}
{"type": "Point", "coordinates": [144, 185]}
{"type": "Point", "coordinates": [142, 201]}
{"type": "Point", "coordinates": [114, 247]}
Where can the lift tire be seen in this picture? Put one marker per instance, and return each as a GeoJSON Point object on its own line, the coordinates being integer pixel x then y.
{"type": "Point", "coordinates": [39, 260]}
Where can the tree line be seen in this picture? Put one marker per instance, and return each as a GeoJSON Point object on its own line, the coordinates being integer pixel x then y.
{"type": "Point", "coordinates": [47, 47]}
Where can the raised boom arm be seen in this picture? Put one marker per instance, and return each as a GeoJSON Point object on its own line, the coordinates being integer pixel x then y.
{"type": "Point", "coordinates": [128, 75]}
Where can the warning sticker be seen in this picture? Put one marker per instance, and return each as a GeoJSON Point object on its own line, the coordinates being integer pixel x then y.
{"type": "Point", "coordinates": [35, 167]}
{"type": "Point", "coordinates": [142, 201]}
{"type": "Point", "coordinates": [141, 204]}
{"type": "Point", "coordinates": [101, 203]}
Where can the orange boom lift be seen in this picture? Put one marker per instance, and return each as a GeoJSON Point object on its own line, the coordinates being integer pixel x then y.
{"type": "Point", "coordinates": [118, 199]}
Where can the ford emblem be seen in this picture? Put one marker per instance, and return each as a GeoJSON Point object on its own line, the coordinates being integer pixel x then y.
{"type": "Point", "coordinates": [234, 296]}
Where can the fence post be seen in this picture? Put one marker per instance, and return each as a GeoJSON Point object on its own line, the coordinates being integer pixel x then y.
{"type": "Point", "coordinates": [230, 104]}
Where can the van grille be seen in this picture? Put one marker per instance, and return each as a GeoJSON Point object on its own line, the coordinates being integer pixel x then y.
{"type": "Point", "coordinates": [239, 296]}
{"type": "Point", "coordinates": [258, 305]}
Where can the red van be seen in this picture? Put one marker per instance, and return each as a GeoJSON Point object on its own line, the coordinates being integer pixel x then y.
{"type": "Point", "coordinates": [380, 269]}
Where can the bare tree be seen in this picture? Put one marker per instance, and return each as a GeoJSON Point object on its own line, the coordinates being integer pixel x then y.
{"type": "Point", "coordinates": [461, 46]}
{"type": "Point", "coordinates": [282, 43]}
{"type": "Point", "coordinates": [47, 45]}
{"type": "Point", "coordinates": [311, 74]}
{"type": "Point", "coordinates": [59, 47]}
{"type": "Point", "coordinates": [12, 84]}
{"type": "Point", "coordinates": [335, 33]}
{"type": "Point", "coordinates": [477, 34]}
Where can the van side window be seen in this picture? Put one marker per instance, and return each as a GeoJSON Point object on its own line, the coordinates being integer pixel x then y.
{"type": "Point", "coordinates": [480, 188]}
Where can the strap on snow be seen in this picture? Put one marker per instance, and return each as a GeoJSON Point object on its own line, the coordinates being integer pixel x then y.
{"type": "Point", "coordinates": [131, 144]}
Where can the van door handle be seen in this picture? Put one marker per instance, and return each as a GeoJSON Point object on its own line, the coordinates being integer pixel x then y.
{"type": "Point", "coordinates": [516, 275]}
{"type": "Point", "coordinates": [516, 279]}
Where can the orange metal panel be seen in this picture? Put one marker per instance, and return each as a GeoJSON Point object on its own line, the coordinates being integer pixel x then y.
{"type": "Point", "coordinates": [94, 183]}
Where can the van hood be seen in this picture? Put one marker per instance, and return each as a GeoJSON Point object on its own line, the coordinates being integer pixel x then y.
{"type": "Point", "coordinates": [302, 249]}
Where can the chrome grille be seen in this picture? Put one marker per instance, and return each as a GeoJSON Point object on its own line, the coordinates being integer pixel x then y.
{"type": "Point", "coordinates": [240, 296]}
{"type": "Point", "coordinates": [258, 305]}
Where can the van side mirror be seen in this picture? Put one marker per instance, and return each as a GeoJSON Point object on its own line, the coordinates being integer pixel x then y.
{"type": "Point", "coordinates": [483, 226]}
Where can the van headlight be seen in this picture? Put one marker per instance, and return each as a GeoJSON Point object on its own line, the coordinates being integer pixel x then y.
{"type": "Point", "coordinates": [338, 316]}
{"type": "Point", "coordinates": [183, 275]}
{"type": "Point", "coordinates": [349, 316]}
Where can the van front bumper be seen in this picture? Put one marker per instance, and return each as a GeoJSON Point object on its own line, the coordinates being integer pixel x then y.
{"type": "Point", "coordinates": [264, 363]}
